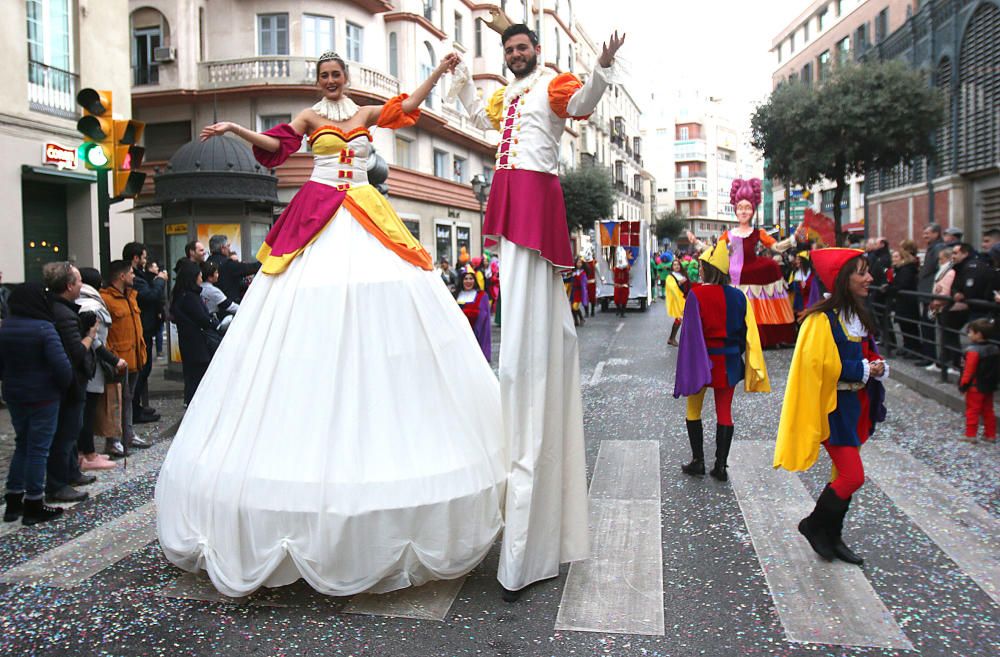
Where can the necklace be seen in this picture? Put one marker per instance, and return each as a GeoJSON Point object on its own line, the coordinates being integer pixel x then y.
{"type": "Point", "coordinates": [522, 86]}
{"type": "Point", "coordinates": [336, 110]}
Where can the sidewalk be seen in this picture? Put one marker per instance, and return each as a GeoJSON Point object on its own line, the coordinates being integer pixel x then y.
{"type": "Point", "coordinates": [929, 384]}
{"type": "Point", "coordinates": [165, 395]}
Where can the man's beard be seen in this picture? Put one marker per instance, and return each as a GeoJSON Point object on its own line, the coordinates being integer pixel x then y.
{"type": "Point", "coordinates": [529, 68]}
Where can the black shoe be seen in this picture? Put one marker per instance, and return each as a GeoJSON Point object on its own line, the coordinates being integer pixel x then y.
{"type": "Point", "coordinates": [114, 449]}
{"type": "Point", "coordinates": [138, 443]}
{"type": "Point", "coordinates": [84, 480]}
{"type": "Point", "coordinates": [697, 440]}
{"type": "Point", "coordinates": [723, 441]}
{"type": "Point", "coordinates": [64, 494]}
{"type": "Point", "coordinates": [510, 596]}
{"type": "Point", "coordinates": [922, 363]}
{"type": "Point", "coordinates": [36, 511]}
{"type": "Point", "coordinates": [149, 410]}
{"type": "Point", "coordinates": [817, 525]}
{"type": "Point", "coordinates": [840, 549]}
{"type": "Point", "coordinates": [146, 418]}
{"type": "Point", "coordinates": [14, 506]}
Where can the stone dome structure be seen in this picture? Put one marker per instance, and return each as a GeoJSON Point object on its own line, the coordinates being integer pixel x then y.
{"type": "Point", "coordinates": [222, 168]}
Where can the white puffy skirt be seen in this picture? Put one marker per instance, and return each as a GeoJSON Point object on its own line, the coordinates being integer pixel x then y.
{"type": "Point", "coordinates": [348, 432]}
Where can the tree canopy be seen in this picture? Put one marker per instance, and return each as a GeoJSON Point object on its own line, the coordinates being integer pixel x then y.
{"type": "Point", "coordinates": [864, 117]}
{"type": "Point", "coordinates": [670, 225]}
{"type": "Point", "coordinates": [589, 196]}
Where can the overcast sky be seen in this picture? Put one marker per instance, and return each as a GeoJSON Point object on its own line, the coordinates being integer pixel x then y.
{"type": "Point", "coordinates": [720, 47]}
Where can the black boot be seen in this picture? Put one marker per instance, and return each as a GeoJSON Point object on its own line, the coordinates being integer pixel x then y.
{"type": "Point", "coordinates": [723, 441]}
{"type": "Point", "coordinates": [816, 527]}
{"type": "Point", "coordinates": [840, 549]}
{"type": "Point", "coordinates": [697, 439]}
{"type": "Point", "coordinates": [673, 335]}
{"type": "Point", "coordinates": [36, 511]}
{"type": "Point", "coordinates": [14, 508]}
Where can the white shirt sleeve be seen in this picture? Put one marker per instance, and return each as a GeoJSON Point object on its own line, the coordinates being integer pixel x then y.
{"type": "Point", "coordinates": [585, 100]}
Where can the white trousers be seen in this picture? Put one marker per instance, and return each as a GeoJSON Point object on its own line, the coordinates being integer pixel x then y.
{"type": "Point", "coordinates": [546, 503]}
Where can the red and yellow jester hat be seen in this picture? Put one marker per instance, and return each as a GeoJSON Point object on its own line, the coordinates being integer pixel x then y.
{"type": "Point", "coordinates": [829, 262]}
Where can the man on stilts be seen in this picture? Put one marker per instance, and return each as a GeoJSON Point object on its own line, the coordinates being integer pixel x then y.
{"type": "Point", "coordinates": [546, 506]}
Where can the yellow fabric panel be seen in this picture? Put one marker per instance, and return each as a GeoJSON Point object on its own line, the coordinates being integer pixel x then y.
{"type": "Point", "coordinates": [276, 264]}
{"type": "Point", "coordinates": [494, 108]}
{"type": "Point", "coordinates": [755, 377]}
{"type": "Point", "coordinates": [810, 396]}
{"type": "Point", "coordinates": [694, 404]}
{"type": "Point", "coordinates": [374, 212]}
{"type": "Point", "coordinates": [675, 298]}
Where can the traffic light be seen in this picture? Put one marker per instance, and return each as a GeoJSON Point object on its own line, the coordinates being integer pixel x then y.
{"type": "Point", "coordinates": [128, 158]}
{"type": "Point", "coordinates": [110, 144]}
{"type": "Point", "coordinates": [97, 126]}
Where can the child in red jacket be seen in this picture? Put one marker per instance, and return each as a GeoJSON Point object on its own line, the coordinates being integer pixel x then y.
{"type": "Point", "coordinates": [979, 381]}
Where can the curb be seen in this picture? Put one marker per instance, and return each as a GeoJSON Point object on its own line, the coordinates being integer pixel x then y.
{"type": "Point", "coordinates": [953, 401]}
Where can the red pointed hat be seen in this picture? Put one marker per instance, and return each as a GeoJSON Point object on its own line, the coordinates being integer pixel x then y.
{"type": "Point", "coordinates": [829, 262]}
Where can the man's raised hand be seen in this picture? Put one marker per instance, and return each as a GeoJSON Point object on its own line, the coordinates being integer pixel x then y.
{"type": "Point", "coordinates": [610, 48]}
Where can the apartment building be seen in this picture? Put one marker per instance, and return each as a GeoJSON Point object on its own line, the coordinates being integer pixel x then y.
{"type": "Point", "coordinates": [55, 48]}
{"type": "Point", "coordinates": [194, 62]}
{"type": "Point", "coordinates": [710, 152]}
{"type": "Point", "coordinates": [827, 34]}
{"type": "Point", "coordinates": [958, 44]}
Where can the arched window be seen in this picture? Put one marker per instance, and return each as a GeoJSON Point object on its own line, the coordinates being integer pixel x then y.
{"type": "Point", "coordinates": [979, 91]}
{"type": "Point", "coordinates": [150, 32]}
{"type": "Point", "coordinates": [945, 138]}
{"type": "Point", "coordinates": [393, 54]}
{"type": "Point", "coordinates": [427, 63]}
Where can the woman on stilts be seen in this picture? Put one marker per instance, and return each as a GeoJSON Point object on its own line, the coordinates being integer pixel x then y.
{"type": "Point", "coordinates": [719, 328]}
{"type": "Point", "coordinates": [834, 395]}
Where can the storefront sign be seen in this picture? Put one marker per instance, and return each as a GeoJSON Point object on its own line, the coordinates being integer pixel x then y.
{"type": "Point", "coordinates": [62, 157]}
{"type": "Point", "coordinates": [176, 229]}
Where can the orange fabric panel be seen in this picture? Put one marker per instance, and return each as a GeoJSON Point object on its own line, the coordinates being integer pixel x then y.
{"type": "Point", "coordinates": [772, 311]}
{"type": "Point", "coordinates": [766, 239]}
{"type": "Point", "coordinates": [413, 255]}
{"type": "Point", "coordinates": [394, 117]}
{"type": "Point", "coordinates": [561, 90]}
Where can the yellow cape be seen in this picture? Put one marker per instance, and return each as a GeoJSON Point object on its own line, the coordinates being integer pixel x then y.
{"type": "Point", "coordinates": [810, 396]}
{"type": "Point", "coordinates": [494, 107]}
{"type": "Point", "coordinates": [755, 377]}
{"type": "Point", "coordinates": [675, 298]}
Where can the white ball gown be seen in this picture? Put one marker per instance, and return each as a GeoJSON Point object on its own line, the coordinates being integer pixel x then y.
{"type": "Point", "coordinates": [348, 429]}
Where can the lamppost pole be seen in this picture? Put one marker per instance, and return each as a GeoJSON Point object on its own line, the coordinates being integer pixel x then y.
{"type": "Point", "coordinates": [481, 188]}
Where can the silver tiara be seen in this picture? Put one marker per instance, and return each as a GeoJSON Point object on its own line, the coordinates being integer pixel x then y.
{"type": "Point", "coordinates": [329, 56]}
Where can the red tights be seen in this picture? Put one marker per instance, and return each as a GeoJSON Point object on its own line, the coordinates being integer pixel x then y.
{"type": "Point", "coordinates": [850, 470]}
{"type": "Point", "coordinates": [979, 405]}
{"type": "Point", "coordinates": [723, 405]}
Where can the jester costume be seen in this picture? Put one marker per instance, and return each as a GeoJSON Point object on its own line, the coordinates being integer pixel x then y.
{"type": "Point", "coordinates": [313, 448]}
{"type": "Point", "coordinates": [832, 400]}
{"type": "Point", "coordinates": [719, 329]}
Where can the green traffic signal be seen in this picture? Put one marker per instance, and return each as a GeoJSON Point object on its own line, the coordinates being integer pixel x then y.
{"type": "Point", "coordinates": [93, 155]}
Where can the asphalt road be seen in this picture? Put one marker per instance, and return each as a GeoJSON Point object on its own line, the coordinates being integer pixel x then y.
{"type": "Point", "coordinates": [95, 583]}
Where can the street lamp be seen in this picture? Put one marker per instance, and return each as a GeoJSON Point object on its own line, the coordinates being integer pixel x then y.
{"type": "Point", "coordinates": [481, 188]}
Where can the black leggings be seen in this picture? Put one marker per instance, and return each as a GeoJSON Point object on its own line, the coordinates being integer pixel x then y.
{"type": "Point", "coordinates": [85, 441]}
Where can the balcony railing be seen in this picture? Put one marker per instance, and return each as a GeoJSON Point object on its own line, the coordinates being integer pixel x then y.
{"type": "Point", "coordinates": [277, 70]}
{"type": "Point", "coordinates": [52, 90]}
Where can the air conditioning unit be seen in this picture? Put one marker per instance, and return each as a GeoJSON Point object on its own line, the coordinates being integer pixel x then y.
{"type": "Point", "coordinates": [164, 54]}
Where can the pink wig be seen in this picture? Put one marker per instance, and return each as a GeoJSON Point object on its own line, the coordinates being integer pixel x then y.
{"type": "Point", "coordinates": [745, 190]}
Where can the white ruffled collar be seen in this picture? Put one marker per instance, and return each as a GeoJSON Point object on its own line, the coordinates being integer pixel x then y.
{"type": "Point", "coordinates": [340, 110]}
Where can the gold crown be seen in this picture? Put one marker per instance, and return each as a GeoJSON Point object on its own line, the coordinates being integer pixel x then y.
{"type": "Point", "coordinates": [498, 21]}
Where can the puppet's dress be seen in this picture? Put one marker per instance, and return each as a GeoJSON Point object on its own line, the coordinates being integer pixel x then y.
{"type": "Point", "coordinates": [348, 430]}
{"type": "Point", "coordinates": [761, 280]}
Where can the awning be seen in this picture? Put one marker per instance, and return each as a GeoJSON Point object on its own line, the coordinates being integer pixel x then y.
{"type": "Point", "coordinates": [57, 176]}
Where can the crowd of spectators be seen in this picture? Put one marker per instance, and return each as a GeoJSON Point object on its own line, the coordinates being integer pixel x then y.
{"type": "Point", "coordinates": [76, 355]}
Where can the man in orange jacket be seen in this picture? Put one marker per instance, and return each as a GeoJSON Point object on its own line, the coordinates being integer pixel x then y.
{"type": "Point", "coordinates": [125, 339]}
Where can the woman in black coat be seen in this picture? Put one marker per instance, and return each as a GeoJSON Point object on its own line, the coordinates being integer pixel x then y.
{"type": "Point", "coordinates": [904, 278]}
{"type": "Point", "coordinates": [192, 320]}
